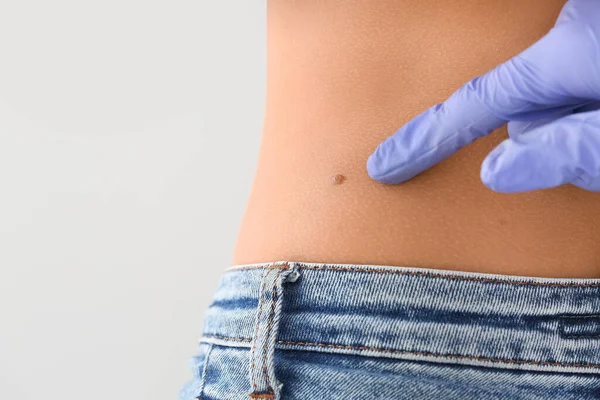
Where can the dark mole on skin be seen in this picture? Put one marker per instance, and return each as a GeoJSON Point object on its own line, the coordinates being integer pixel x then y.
{"type": "Point", "coordinates": [338, 179]}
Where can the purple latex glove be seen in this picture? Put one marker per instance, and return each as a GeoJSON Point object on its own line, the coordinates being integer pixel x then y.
{"type": "Point", "coordinates": [550, 97]}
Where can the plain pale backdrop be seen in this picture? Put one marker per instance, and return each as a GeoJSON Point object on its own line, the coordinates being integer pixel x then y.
{"type": "Point", "coordinates": [129, 134]}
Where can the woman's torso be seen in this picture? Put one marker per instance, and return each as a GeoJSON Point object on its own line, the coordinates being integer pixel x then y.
{"type": "Point", "coordinates": [344, 75]}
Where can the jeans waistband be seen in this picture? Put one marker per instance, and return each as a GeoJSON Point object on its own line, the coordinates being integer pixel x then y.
{"type": "Point", "coordinates": [488, 320]}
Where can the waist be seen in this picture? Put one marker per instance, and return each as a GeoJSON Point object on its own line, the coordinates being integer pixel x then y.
{"type": "Point", "coordinates": [444, 218]}
{"type": "Point", "coordinates": [411, 313]}
{"type": "Point", "coordinates": [341, 78]}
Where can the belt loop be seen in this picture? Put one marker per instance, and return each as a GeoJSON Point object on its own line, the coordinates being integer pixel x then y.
{"type": "Point", "coordinates": [262, 371]}
{"type": "Point", "coordinates": [293, 272]}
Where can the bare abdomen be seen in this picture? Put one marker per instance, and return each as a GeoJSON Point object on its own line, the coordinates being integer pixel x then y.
{"type": "Point", "coordinates": [342, 76]}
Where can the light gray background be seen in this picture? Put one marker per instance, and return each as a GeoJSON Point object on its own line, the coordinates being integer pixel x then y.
{"type": "Point", "coordinates": [129, 134]}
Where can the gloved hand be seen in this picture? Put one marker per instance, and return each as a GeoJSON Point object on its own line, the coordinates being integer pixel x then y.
{"type": "Point", "coordinates": [550, 93]}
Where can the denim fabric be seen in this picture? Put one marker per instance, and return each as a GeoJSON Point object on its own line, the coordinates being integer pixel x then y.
{"type": "Point", "coordinates": [293, 330]}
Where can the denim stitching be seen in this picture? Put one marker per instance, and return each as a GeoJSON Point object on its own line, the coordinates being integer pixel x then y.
{"type": "Point", "coordinates": [256, 331]}
{"type": "Point", "coordinates": [261, 396]}
{"type": "Point", "coordinates": [228, 338]}
{"type": "Point", "coordinates": [274, 299]}
{"type": "Point", "coordinates": [393, 351]}
{"type": "Point", "coordinates": [426, 274]}
{"type": "Point", "coordinates": [203, 376]}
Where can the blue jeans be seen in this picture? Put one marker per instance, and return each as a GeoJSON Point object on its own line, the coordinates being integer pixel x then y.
{"type": "Point", "coordinates": [293, 330]}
